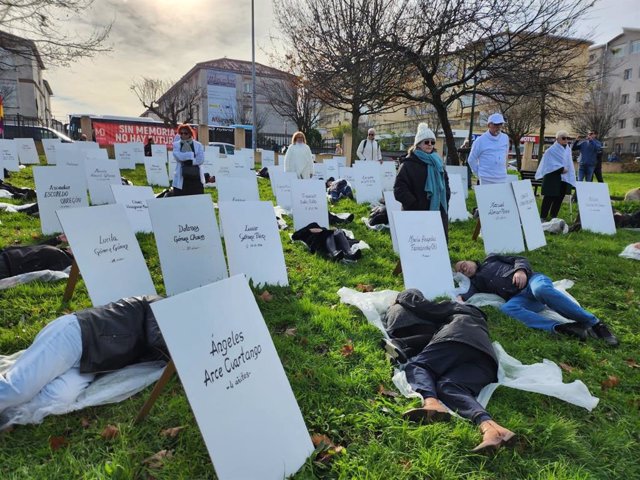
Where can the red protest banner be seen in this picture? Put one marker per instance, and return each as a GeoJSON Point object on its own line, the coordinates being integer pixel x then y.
{"type": "Point", "coordinates": [108, 133]}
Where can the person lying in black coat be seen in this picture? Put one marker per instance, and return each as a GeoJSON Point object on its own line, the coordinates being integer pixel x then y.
{"type": "Point", "coordinates": [449, 359]}
{"type": "Point", "coordinates": [32, 258]}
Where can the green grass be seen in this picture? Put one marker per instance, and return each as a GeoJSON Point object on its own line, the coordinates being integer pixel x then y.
{"type": "Point", "coordinates": [339, 395]}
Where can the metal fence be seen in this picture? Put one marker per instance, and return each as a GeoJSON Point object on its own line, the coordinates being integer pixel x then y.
{"type": "Point", "coordinates": [276, 142]}
{"type": "Point", "coordinates": [22, 121]}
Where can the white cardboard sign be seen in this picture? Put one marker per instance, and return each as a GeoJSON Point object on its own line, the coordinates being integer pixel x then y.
{"type": "Point", "coordinates": [211, 156]}
{"type": "Point", "coordinates": [159, 151]}
{"type": "Point", "coordinates": [423, 252]}
{"type": "Point", "coordinates": [100, 175]}
{"type": "Point", "coordinates": [226, 360]}
{"type": "Point", "coordinates": [594, 203]}
{"type": "Point", "coordinates": [331, 169]}
{"type": "Point", "coordinates": [342, 161]}
{"type": "Point", "coordinates": [156, 169]}
{"type": "Point", "coordinates": [247, 157]}
{"type": "Point", "coordinates": [107, 253]}
{"type": "Point", "coordinates": [188, 241]}
{"type": "Point", "coordinates": [125, 155]}
{"type": "Point", "coordinates": [70, 155]}
{"type": "Point", "coordinates": [237, 189]}
{"type": "Point", "coordinates": [367, 182]}
{"type": "Point", "coordinates": [58, 188]}
{"type": "Point", "coordinates": [463, 172]}
{"type": "Point", "coordinates": [134, 200]}
{"type": "Point", "coordinates": [49, 146]}
{"type": "Point", "coordinates": [27, 153]}
{"type": "Point", "coordinates": [96, 154]}
{"type": "Point", "coordinates": [348, 173]}
{"type": "Point", "coordinates": [138, 151]}
{"type": "Point", "coordinates": [309, 203]}
{"type": "Point", "coordinates": [529, 214]}
{"type": "Point", "coordinates": [392, 206]}
{"type": "Point", "coordinates": [9, 155]}
{"type": "Point", "coordinates": [281, 184]}
{"type": "Point", "coordinates": [387, 175]}
{"type": "Point", "coordinates": [268, 158]}
{"type": "Point", "coordinates": [318, 171]}
{"type": "Point", "coordinates": [500, 220]}
{"type": "Point", "coordinates": [457, 208]}
{"type": "Point", "coordinates": [253, 243]}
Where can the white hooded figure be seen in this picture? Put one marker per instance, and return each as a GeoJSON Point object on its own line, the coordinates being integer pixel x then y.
{"type": "Point", "coordinates": [299, 158]}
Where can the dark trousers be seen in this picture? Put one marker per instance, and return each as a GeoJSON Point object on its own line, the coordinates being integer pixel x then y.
{"type": "Point", "coordinates": [597, 172]}
{"type": "Point", "coordinates": [551, 204]}
{"type": "Point", "coordinates": [189, 187]}
{"type": "Point", "coordinates": [454, 373]}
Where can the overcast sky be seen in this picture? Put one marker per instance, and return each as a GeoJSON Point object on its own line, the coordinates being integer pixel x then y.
{"type": "Point", "coordinates": [165, 38]}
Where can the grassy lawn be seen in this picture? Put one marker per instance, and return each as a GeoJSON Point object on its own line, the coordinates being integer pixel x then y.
{"type": "Point", "coordinates": [344, 392]}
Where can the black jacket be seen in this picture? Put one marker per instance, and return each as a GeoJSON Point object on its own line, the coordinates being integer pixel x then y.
{"type": "Point", "coordinates": [35, 257]}
{"type": "Point", "coordinates": [410, 181]}
{"type": "Point", "coordinates": [119, 334]}
{"type": "Point", "coordinates": [440, 322]}
{"type": "Point", "coordinates": [495, 275]}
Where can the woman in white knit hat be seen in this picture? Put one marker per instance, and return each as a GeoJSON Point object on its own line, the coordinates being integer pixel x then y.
{"type": "Point", "coordinates": [422, 182]}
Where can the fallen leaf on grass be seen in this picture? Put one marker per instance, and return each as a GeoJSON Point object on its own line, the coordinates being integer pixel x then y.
{"type": "Point", "coordinates": [610, 382]}
{"type": "Point", "coordinates": [171, 432]}
{"type": "Point", "coordinates": [290, 332]}
{"type": "Point", "coordinates": [361, 287]}
{"type": "Point", "coordinates": [266, 296]}
{"type": "Point", "coordinates": [346, 350]}
{"type": "Point", "coordinates": [566, 367]}
{"type": "Point", "coordinates": [84, 421]}
{"type": "Point", "coordinates": [110, 432]}
{"type": "Point", "coordinates": [156, 460]}
{"type": "Point", "coordinates": [632, 363]}
{"type": "Point", "coordinates": [321, 440]}
{"type": "Point", "coordinates": [387, 393]}
{"type": "Point", "coordinates": [57, 443]}
{"type": "Point", "coordinates": [406, 464]}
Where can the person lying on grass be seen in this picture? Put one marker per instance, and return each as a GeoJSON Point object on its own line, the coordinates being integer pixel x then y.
{"type": "Point", "coordinates": [16, 260]}
{"type": "Point", "coordinates": [67, 353]}
{"type": "Point", "coordinates": [448, 358]}
{"type": "Point", "coordinates": [527, 293]}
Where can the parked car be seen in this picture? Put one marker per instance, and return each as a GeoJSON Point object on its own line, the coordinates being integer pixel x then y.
{"type": "Point", "coordinates": [224, 148]}
{"type": "Point", "coordinates": [35, 132]}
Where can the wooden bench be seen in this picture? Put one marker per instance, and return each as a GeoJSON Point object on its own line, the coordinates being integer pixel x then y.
{"type": "Point", "coordinates": [531, 175]}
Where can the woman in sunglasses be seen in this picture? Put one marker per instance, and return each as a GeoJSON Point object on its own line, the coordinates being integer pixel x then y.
{"type": "Point", "coordinates": [558, 175]}
{"type": "Point", "coordinates": [188, 178]}
{"type": "Point", "coordinates": [422, 182]}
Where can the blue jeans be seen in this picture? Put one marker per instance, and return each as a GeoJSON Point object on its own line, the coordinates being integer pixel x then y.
{"type": "Point", "coordinates": [49, 370]}
{"type": "Point", "coordinates": [539, 293]}
{"type": "Point", "coordinates": [585, 172]}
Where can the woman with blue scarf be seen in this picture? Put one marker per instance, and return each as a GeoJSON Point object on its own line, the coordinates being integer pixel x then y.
{"type": "Point", "coordinates": [422, 182]}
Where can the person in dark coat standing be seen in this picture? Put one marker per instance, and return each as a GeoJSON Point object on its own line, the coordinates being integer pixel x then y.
{"type": "Point", "coordinates": [147, 147]}
{"type": "Point", "coordinates": [455, 360]}
{"type": "Point", "coordinates": [422, 182]}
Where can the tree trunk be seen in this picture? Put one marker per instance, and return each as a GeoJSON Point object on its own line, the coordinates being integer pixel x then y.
{"type": "Point", "coordinates": [543, 118]}
{"type": "Point", "coordinates": [452, 151]}
{"type": "Point", "coordinates": [516, 147]}
{"type": "Point", "coordinates": [355, 135]}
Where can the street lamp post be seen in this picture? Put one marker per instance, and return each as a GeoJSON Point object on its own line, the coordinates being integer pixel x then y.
{"type": "Point", "coordinates": [254, 136]}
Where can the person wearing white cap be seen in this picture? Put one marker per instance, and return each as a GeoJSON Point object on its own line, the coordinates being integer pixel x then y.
{"type": "Point", "coordinates": [369, 149]}
{"type": "Point", "coordinates": [422, 182]}
{"type": "Point", "coordinates": [488, 156]}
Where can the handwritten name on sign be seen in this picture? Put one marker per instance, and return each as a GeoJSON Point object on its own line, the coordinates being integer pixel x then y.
{"type": "Point", "coordinates": [110, 246]}
{"type": "Point", "coordinates": [498, 210]}
{"type": "Point", "coordinates": [252, 237]}
{"type": "Point", "coordinates": [231, 359]}
{"type": "Point", "coordinates": [189, 237]}
{"type": "Point", "coordinates": [423, 244]}
{"type": "Point", "coordinates": [309, 201]}
{"type": "Point", "coordinates": [594, 204]}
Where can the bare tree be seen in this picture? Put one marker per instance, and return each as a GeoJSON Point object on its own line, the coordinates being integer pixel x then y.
{"type": "Point", "coordinates": [600, 112]}
{"type": "Point", "coordinates": [467, 45]}
{"type": "Point", "coordinates": [172, 104]}
{"type": "Point", "coordinates": [291, 97]}
{"type": "Point", "coordinates": [35, 29]}
{"type": "Point", "coordinates": [336, 45]}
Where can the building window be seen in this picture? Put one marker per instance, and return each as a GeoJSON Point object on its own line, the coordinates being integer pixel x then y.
{"type": "Point", "coordinates": [618, 51]}
{"type": "Point", "coordinates": [637, 97]}
{"type": "Point", "coordinates": [636, 122]}
{"type": "Point", "coordinates": [618, 148]}
{"type": "Point", "coordinates": [635, 46]}
{"type": "Point", "coordinates": [622, 123]}
{"type": "Point", "coordinates": [247, 88]}
{"type": "Point", "coordinates": [592, 57]}
{"type": "Point", "coordinates": [627, 74]}
{"type": "Point", "coordinates": [634, 148]}
{"type": "Point", "coordinates": [625, 98]}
